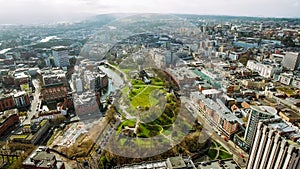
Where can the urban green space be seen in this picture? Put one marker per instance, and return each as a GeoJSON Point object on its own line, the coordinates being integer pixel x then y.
{"type": "Point", "coordinates": [153, 108]}
{"type": "Point", "coordinates": [217, 151]}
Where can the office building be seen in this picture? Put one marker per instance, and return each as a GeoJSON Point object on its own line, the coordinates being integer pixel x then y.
{"type": "Point", "coordinates": [291, 60]}
{"type": "Point", "coordinates": [61, 57]}
{"type": "Point", "coordinates": [264, 70]}
{"type": "Point", "coordinates": [275, 146]}
{"type": "Point", "coordinates": [257, 113]}
{"type": "Point", "coordinates": [87, 103]}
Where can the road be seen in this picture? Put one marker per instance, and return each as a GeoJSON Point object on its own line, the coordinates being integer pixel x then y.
{"type": "Point", "coordinates": [34, 103]}
{"type": "Point", "coordinates": [117, 81]}
{"type": "Point", "coordinates": [212, 132]}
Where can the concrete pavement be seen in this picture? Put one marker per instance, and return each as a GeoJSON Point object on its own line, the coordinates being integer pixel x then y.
{"type": "Point", "coordinates": [35, 103]}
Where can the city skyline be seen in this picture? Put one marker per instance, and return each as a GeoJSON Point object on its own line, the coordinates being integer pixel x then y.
{"type": "Point", "coordinates": [42, 11]}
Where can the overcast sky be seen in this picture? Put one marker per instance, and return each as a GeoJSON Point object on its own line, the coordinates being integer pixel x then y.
{"type": "Point", "coordinates": [42, 11]}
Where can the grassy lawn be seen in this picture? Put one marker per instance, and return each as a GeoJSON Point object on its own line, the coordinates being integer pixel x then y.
{"type": "Point", "coordinates": [128, 123]}
{"type": "Point", "coordinates": [216, 148]}
{"type": "Point", "coordinates": [135, 91]}
{"type": "Point", "coordinates": [146, 96]}
{"type": "Point", "coordinates": [147, 131]}
{"type": "Point", "coordinates": [167, 132]}
{"type": "Point", "coordinates": [212, 153]}
{"type": "Point", "coordinates": [157, 82]}
{"type": "Point", "coordinates": [224, 155]}
{"type": "Point", "coordinates": [213, 145]}
{"type": "Point", "coordinates": [222, 148]}
{"type": "Point", "coordinates": [218, 144]}
{"type": "Point", "coordinates": [142, 97]}
{"type": "Point", "coordinates": [137, 82]}
{"type": "Point", "coordinates": [143, 131]}
{"type": "Point", "coordinates": [122, 141]}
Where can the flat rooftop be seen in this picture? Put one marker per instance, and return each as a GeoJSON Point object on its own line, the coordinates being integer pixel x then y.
{"type": "Point", "coordinates": [4, 115]}
{"type": "Point", "coordinates": [289, 132]}
{"type": "Point", "coordinates": [228, 164]}
{"type": "Point", "coordinates": [182, 73]}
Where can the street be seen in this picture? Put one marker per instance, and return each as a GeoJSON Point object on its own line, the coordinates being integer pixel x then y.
{"type": "Point", "coordinates": [117, 81]}
{"type": "Point", "coordinates": [35, 103]}
{"type": "Point", "coordinates": [212, 132]}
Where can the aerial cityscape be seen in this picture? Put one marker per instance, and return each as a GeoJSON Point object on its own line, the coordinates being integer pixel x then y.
{"type": "Point", "coordinates": [142, 85]}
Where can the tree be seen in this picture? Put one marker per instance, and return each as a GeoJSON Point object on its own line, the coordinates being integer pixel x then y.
{"type": "Point", "coordinates": [110, 114]}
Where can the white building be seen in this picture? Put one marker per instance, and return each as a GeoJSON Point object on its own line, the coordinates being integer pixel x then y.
{"type": "Point", "coordinates": [289, 79]}
{"type": "Point", "coordinates": [211, 93]}
{"type": "Point", "coordinates": [274, 146]}
{"type": "Point", "coordinates": [78, 85]}
{"type": "Point", "coordinates": [264, 70]}
{"type": "Point", "coordinates": [233, 56]}
{"type": "Point", "coordinates": [286, 78]}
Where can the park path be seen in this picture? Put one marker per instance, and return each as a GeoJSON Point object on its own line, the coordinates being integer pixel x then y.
{"type": "Point", "coordinates": [141, 92]}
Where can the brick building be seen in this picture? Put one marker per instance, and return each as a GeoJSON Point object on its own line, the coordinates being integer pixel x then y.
{"type": "Point", "coordinates": [54, 92]}
{"type": "Point", "coordinates": [219, 115]}
{"type": "Point", "coordinates": [6, 102]}
{"type": "Point", "coordinates": [8, 120]}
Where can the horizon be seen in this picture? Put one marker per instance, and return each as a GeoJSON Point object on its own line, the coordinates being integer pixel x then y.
{"type": "Point", "coordinates": [128, 14]}
{"type": "Point", "coordinates": [25, 12]}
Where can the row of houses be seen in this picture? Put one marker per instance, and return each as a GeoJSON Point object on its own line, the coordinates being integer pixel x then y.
{"type": "Point", "coordinates": [218, 114]}
{"type": "Point", "coordinates": [14, 99]}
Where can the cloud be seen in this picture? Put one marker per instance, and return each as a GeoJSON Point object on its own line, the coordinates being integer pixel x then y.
{"type": "Point", "coordinates": [45, 10]}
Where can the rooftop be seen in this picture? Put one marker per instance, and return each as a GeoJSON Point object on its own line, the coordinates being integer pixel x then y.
{"type": "Point", "coordinates": [182, 73]}
{"type": "Point", "coordinates": [286, 131]}
{"type": "Point", "coordinates": [42, 158]}
{"type": "Point", "coordinates": [228, 164]}
{"type": "Point", "coordinates": [221, 109]}
{"type": "Point", "coordinates": [21, 75]}
{"type": "Point", "coordinates": [4, 115]}
{"type": "Point", "coordinates": [290, 113]}
{"type": "Point", "coordinates": [84, 98]}
{"type": "Point", "coordinates": [265, 109]}
{"type": "Point", "coordinates": [176, 162]}
{"type": "Point", "coordinates": [211, 91]}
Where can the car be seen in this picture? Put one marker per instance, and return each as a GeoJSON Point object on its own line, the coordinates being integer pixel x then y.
{"type": "Point", "coordinates": [203, 163]}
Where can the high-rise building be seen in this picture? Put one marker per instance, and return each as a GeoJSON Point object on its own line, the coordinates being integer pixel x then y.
{"type": "Point", "coordinates": [275, 146]}
{"type": "Point", "coordinates": [291, 60]}
{"type": "Point", "coordinates": [79, 86]}
{"type": "Point", "coordinates": [257, 114]}
{"type": "Point", "coordinates": [61, 57]}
